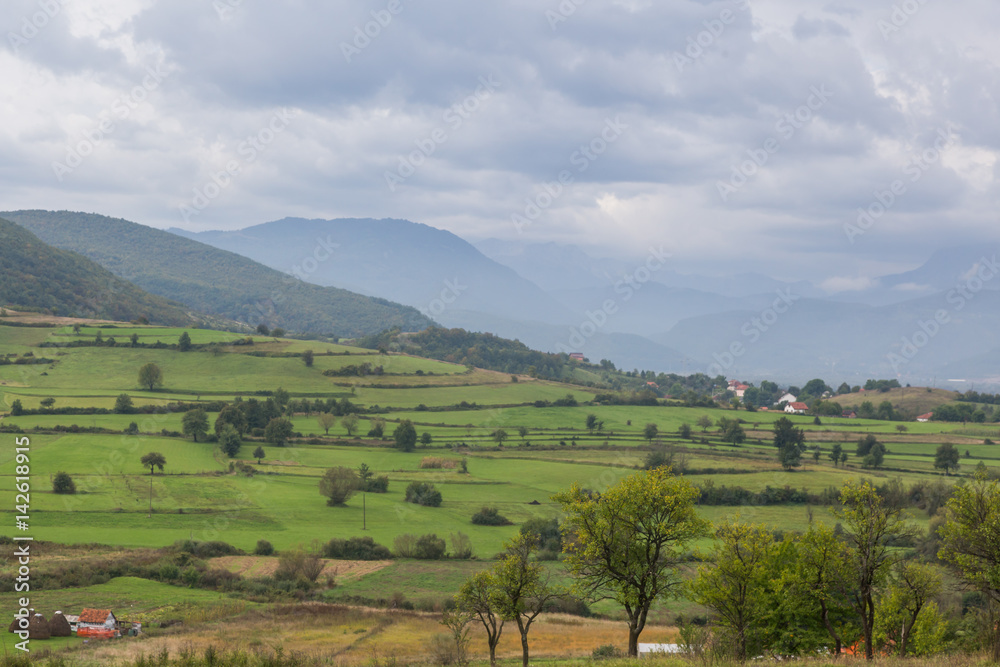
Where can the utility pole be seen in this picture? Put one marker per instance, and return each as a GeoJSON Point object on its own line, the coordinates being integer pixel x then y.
{"type": "Point", "coordinates": [364, 511]}
{"type": "Point", "coordinates": [150, 497]}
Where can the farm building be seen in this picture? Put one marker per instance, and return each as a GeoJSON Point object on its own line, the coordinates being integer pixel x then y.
{"type": "Point", "coordinates": [796, 408]}
{"type": "Point", "coordinates": [926, 417]}
{"type": "Point", "coordinates": [97, 623]}
{"type": "Point", "coordinates": [576, 356]}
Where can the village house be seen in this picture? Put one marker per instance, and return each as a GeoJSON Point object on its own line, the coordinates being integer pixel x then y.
{"type": "Point", "coordinates": [926, 417]}
{"type": "Point", "coordinates": [576, 356]}
{"type": "Point", "coordinates": [96, 623]}
{"type": "Point", "coordinates": [796, 408]}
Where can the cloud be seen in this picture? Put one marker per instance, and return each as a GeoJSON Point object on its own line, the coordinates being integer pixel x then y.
{"type": "Point", "coordinates": [702, 87]}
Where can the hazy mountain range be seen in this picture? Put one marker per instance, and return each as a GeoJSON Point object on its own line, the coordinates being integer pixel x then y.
{"type": "Point", "coordinates": [932, 324]}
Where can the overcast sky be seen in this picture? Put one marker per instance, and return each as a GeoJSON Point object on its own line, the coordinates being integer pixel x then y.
{"type": "Point", "coordinates": [464, 115]}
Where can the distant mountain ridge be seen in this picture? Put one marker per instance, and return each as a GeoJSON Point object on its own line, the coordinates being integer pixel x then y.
{"type": "Point", "coordinates": [34, 274]}
{"type": "Point", "coordinates": [215, 281]}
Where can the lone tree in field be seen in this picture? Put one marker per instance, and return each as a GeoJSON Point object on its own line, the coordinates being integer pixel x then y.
{"type": "Point", "coordinates": [405, 436]}
{"type": "Point", "coordinates": [338, 485]}
{"type": "Point", "coordinates": [278, 431]}
{"type": "Point", "coordinates": [259, 454]}
{"type": "Point", "coordinates": [630, 541]}
{"type": "Point", "coordinates": [477, 598]}
{"type": "Point", "coordinates": [326, 421]}
{"type": "Point", "coordinates": [308, 358]}
{"type": "Point", "coordinates": [184, 342]}
{"type": "Point", "coordinates": [123, 405]}
{"type": "Point", "coordinates": [153, 460]}
{"type": "Point", "coordinates": [150, 376]}
{"type": "Point", "coordinates": [946, 458]}
{"type": "Point", "coordinates": [790, 443]}
{"type": "Point", "coordinates": [350, 424]}
{"type": "Point", "coordinates": [521, 586]}
{"type": "Point", "coordinates": [970, 539]}
{"type": "Point", "coordinates": [195, 423]}
{"type": "Point", "coordinates": [499, 436]}
{"type": "Point", "coordinates": [63, 483]}
{"type": "Point", "coordinates": [650, 431]}
{"type": "Point", "coordinates": [705, 422]}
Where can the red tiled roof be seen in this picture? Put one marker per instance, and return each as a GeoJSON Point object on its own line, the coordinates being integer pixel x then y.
{"type": "Point", "coordinates": [94, 615]}
{"type": "Point", "coordinates": [798, 405]}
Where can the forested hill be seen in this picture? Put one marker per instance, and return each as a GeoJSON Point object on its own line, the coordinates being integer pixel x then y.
{"type": "Point", "coordinates": [216, 281]}
{"type": "Point", "coordinates": [34, 274]}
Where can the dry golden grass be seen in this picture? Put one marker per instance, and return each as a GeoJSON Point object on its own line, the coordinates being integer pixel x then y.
{"type": "Point", "coordinates": [265, 566]}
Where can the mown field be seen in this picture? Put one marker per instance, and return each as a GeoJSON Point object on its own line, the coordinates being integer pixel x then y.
{"type": "Point", "coordinates": [197, 497]}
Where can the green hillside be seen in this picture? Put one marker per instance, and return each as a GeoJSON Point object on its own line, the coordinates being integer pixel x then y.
{"type": "Point", "coordinates": [36, 275]}
{"type": "Point", "coordinates": [216, 281]}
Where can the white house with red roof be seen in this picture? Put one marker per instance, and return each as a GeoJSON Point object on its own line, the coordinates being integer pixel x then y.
{"type": "Point", "coordinates": [796, 408]}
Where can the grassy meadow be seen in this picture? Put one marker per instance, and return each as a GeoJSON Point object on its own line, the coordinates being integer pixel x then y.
{"type": "Point", "coordinates": [121, 505]}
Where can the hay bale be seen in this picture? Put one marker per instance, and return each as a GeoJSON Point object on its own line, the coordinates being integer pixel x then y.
{"type": "Point", "coordinates": [38, 628]}
{"type": "Point", "coordinates": [59, 626]}
{"type": "Point", "coordinates": [14, 625]}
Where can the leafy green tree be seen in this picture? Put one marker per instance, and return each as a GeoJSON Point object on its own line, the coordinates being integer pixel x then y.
{"type": "Point", "coordinates": [650, 431]}
{"type": "Point", "coordinates": [233, 416]}
{"type": "Point", "coordinates": [423, 493]}
{"type": "Point", "coordinates": [263, 330]}
{"type": "Point", "coordinates": [153, 460]}
{"type": "Point", "coordinates": [326, 421]}
{"type": "Point", "coordinates": [278, 431]}
{"type": "Point", "coordinates": [499, 436]}
{"type": "Point", "coordinates": [684, 431]}
{"type": "Point", "coordinates": [946, 458]}
{"type": "Point", "coordinates": [875, 456]}
{"type": "Point", "coordinates": [912, 587]}
{"type": "Point", "coordinates": [865, 444]}
{"type": "Point", "coordinates": [195, 423]}
{"type": "Point", "coordinates": [631, 541]}
{"type": "Point", "coordinates": [16, 408]}
{"type": "Point", "coordinates": [705, 422]}
{"type": "Point", "coordinates": [844, 388]}
{"type": "Point", "coordinates": [477, 597]}
{"type": "Point", "coordinates": [62, 483]}
{"type": "Point", "coordinates": [338, 485]}
{"type": "Point", "coordinates": [522, 432]}
{"type": "Point", "coordinates": [824, 562]}
{"type": "Point", "coordinates": [150, 376]}
{"type": "Point", "coordinates": [47, 402]}
{"type": "Point", "coordinates": [134, 339]}
{"type": "Point", "coordinates": [184, 342]}
{"type": "Point", "coordinates": [591, 422]}
{"type": "Point", "coordinates": [230, 441]}
{"type": "Point", "coordinates": [871, 526]}
{"type": "Point", "coordinates": [308, 358]}
{"type": "Point", "coordinates": [790, 442]}
{"type": "Point", "coordinates": [405, 436]}
{"type": "Point", "coordinates": [835, 452]}
{"type": "Point", "coordinates": [259, 454]}
{"type": "Point", "coordinates": [521, 587]}
{"type": "Point", "coordinates": [123, 405]}
{"type": "Point", "coordinates": [277, 332]}
{"type": "Point", "coordinates": [377, 430]}
{"type": "Point", "coordinates": [733, 585]}
{"type": "Point", "coordinates": [970, 539]}
{"type": "Point", "coordinates": [734, 433]}
{"type": "Point", "coordinates": [426, 439]}
{"type": "Point", "coordinates": [350, 423]}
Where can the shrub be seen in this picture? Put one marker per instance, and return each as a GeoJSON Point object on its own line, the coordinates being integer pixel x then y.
{"type": "Point", "coordinates": [423, 493]}
{"type": "Point", "coordinates": [461, 546]}
{"type": "Point", "coordinates": [490, 516]}
{"type": "Point", "coordinates": [356, 548]}
{"type": "Point", "coordinates": [264, 548]}
{"type": "Point", "coordinates": [378, 484]}
{"type": "Point", "coordinates": [607, 652]}
{"type": "Point", "coordinates": [63, 483]}
{"type": "Point", "coordinates": [405, 545]}
{"type": "Point", "coordinates": [295, 564]}
{"type": "Point", "coordinates": [430, 547]}
{"type": "Point", "coordinates": [212, 549]}
{"type": "Point", "coordinates": [338, 485]}
{"type": "Point", "coordinates": [437, 462]}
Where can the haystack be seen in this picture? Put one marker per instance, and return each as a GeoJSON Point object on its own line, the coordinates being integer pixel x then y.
{"type": "Point", "coordinates": [59, 626]}
{"type": "Point", "coordinates": [38, 628]}
{"type": "Point", "coordinates": [15, 625]}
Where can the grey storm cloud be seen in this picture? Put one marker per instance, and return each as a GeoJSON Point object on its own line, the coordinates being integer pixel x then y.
{"type": "Point", "coordinates": [387, 115]}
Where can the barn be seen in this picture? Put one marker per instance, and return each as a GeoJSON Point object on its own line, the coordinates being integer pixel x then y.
{"type": "Point", "coordinates": [97, 623]}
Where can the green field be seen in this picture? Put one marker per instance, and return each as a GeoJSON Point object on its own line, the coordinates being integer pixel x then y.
{"type": "Point", "coordinates": [119, 503]}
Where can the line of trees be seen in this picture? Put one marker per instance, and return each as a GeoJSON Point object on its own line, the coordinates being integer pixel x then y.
{"type": "Point", "coordinates": [851, 585]}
